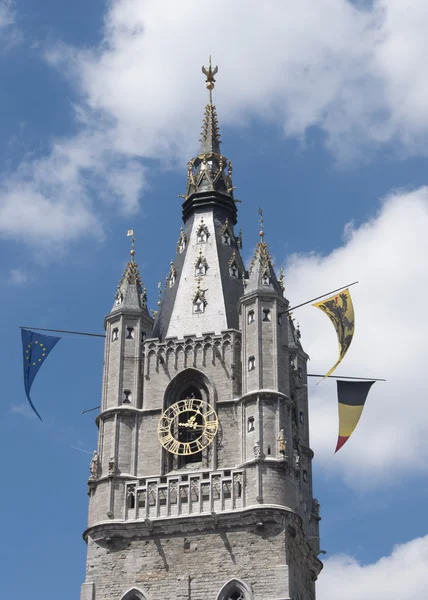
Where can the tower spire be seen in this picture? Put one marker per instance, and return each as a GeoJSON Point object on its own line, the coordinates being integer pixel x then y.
{"type": "Point", "coordinates": [210, 134]}
{"type": "Point", "coordinates": [130, 294]}
{"type": "Point", "coordinates": [262, 275]}
{"type": "Point", "coordinates": [210, 171]}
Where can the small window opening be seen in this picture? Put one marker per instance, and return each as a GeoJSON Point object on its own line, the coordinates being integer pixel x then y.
{"type": "Point", "coordinates": [250, 316]}
{"type": "Point", "coordinates": [198, 306]}
{"type": "Point", "coordinates": [301, 417]}
{"type": "Point", "coordinates": [227, 489]}
{"type": "Point", "coordinates": [115, 334]}
{"type": "Point", "coordinates": [238, 489]}
{"type": "Point", "coordinates": [205, 491]}
{"type": "Point", "coordinates": [200, 269]}
{"type": "Point", "coordinates": [233, 271]}
{"type": "Point", "coordinates": [129, 333]}
{"type": "Point", "coordinates": [251, 424]}
{"type": "Point", "coordinates": [194, 491]}
{"type": "Point", "coordinates": [143, 337]}
{"type": "Point", "coordinates": [265, 280]}
{"type": "Point", "coordinates": [131, 500]}
{"type": "Point", "coordinates": [266, 314]}
{"type": "Point", "coordinates": [279, 319]}
{"type": "Point", "coordinates": [251, 363]}
{"type": "Point", "coordinates": [305, 476]}
{"type": "Point", "coordinates": [269, 450]}
{"type": "Point", "coordinates": [226, 238]}
{"type": "Point", "coordinates": [202, 237]}
{"type": "Point", "coordinates": [127, 397]}
{"type": "Point", "coordinates": [300, 372]}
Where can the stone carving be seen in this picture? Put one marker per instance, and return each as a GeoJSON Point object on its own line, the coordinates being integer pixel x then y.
{"type": "Point", "coordinates": [93, 467]}
{"type": "Point", "coordinates": [315, 507]}
{"type": "Point", "coordinates": [282, 444]}
{"type": "Point", "coordinates": [112, 466]}
{"type": "Point", "coordinates": [257, 451]}
{"type": "Point", "coordinates": [296, 459]}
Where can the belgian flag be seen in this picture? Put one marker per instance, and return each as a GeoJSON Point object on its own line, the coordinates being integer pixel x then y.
{"type": "Point", "coordinates": [351, 396]}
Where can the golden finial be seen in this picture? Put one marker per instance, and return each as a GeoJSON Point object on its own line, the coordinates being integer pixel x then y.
{"type": "Point", "coordinates": [132, 251]}
{"type": "Point", "coordinates": [262, 233]}
{"type": "Point", "coordinates": [210, 78]}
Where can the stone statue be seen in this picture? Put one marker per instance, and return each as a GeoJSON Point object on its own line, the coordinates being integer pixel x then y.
{"type": "Point", "coordinates": [112, 466]}
{"type": "Point", "coordinates": [282, 444]}
{"type": "Point", "coordinates": [93, 467]}
{"type": "Point", "coordinates": [256, 449]}
{"type": "Point", "coordinates": [296, 459]}
{"type": "Point", "coordinates": [315, 507]}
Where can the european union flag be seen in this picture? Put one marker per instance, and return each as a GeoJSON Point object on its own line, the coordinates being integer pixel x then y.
{"type": "Point", "coordinates": [35, 348]}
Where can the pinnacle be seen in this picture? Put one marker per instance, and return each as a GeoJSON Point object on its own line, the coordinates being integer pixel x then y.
{"type": "Point", "coordinates": [130, 293]}
{"type": "Point", "coordinates": [210, 134]}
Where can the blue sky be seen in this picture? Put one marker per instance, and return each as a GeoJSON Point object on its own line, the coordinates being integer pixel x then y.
{"type": "Point", "coordinates": [325, 120]}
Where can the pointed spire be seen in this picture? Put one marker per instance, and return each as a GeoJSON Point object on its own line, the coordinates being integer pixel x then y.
{"type": "Point", "coordinates": [210, 134]}
{"type": "Point", "coordinates": [262, 274]}
{"type": "Point", "coordinates": [130, 294]}
{"type": "Point", "coordinates": [210, 171]}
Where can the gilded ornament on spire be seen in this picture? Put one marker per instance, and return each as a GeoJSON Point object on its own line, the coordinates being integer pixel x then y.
{"type": "Point", "coordinates": [210, 170]}
{"type": "Point", "coordinates": [210, 77]}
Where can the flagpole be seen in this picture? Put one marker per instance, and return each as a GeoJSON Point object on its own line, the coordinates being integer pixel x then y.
{"type": "Point", "coordinates": [64, 331]}
{"type": "Point", "coordinates": [89, 410]}
{"type": "Point", "coordinates": [337, 377]}
{"type": "Point", "coordinates": [317, 298]}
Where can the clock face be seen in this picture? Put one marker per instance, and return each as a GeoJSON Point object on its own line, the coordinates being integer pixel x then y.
{"type": "Point", "coordinates": [188, 426]}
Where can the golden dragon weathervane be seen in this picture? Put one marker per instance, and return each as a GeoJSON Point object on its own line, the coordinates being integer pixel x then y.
{"type": "Point", "coordinates": [210, 78]}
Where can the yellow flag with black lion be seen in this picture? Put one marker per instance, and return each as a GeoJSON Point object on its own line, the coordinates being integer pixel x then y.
{"type": "Point", "coordinates": [340, 310]}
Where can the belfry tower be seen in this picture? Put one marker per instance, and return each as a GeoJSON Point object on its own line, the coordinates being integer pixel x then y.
{"type": "Point", "coordinates": [201, 486]}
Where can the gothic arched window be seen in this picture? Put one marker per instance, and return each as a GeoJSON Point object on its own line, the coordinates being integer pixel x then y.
{"type": "Point", "coordinates": [134, 594]}
{"type": "Point", "coordinates": [235, 590]}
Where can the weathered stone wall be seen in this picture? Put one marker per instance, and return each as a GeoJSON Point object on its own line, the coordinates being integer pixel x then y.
{"type": "Point", "coordinates": [195, 565]}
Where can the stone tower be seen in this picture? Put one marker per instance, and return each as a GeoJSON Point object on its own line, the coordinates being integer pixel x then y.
{"type": "Point", "coordinates": [201, 486]}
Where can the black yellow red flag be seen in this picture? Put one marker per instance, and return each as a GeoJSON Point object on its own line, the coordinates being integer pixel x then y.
{"type": "Point", "coordinates": [340, 310]}
{"type": "Point", "coordinates": [351, 396]}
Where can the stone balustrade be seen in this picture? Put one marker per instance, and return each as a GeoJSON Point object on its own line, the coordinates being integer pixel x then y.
{"type": "Point", "coordinates": [183, 494]}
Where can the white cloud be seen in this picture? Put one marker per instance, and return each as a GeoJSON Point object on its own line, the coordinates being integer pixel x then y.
{"type": "Point", "coordinates": [17, 276]}
{"type": "Point", "coordinates": [387, 255]}
{"type": "Point", "coordinates": [7, 15]}
{"type": "Point", "coordinates": [354, 72]}
{"type": "Point", "coordinates": [403, 574]}
{"type": "Point", "coordinates": [9, 32]}
{"type": "Point", "coordinates": [23, 409]}
{"type": "Point", "coordinates": [51, 199]}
